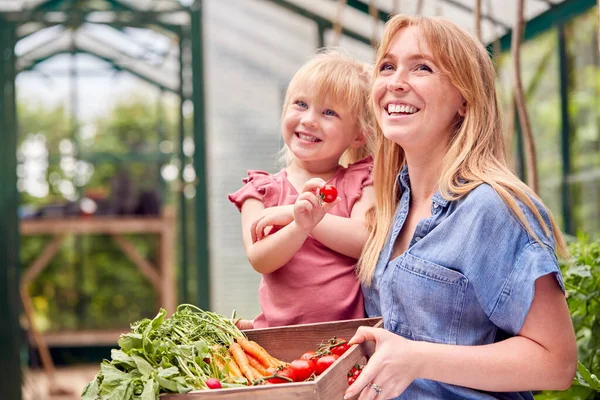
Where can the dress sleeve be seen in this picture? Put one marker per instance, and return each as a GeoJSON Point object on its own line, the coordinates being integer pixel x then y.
{"type": "Point", "coordinates": [516, 296]}
{"type": "Point", "coordinates": [358, 176]}
{"type": "Point", "coordinates": [258, 185]}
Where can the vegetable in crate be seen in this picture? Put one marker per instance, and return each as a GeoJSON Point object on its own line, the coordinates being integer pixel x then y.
{"type": "Point", "coordinates": [168, 355]}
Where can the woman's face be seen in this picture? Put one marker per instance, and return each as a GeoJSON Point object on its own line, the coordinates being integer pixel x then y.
{"type": "Point", "coordinates": [415, 104]}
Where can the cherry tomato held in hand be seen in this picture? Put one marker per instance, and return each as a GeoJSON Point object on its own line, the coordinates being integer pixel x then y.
{"type": "Point", "coordinates": [325, 362]}
{"type": "Point", "coordinates": [327, 193]}
{"type": "Point", "coordinates": [303, 369]}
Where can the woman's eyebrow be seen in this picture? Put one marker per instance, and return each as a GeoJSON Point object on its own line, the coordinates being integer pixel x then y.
{"type": "Point", "coordinates": [420, 57]}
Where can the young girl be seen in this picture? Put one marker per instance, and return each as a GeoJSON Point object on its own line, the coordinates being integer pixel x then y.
{"type": "Point", "coordinates": [306, 250]}
{"type": "Point", "coordinates": [461, 261]}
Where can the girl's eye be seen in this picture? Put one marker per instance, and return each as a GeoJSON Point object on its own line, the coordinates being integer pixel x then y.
{"type": "Point", "coordinates": [386, 67]}
{"type": "Point", "coordinates": [330, 112]}
{"type": "Point", "coordinates": [301, 103]}
{"type": "Point", "coordinates": [423, 67]}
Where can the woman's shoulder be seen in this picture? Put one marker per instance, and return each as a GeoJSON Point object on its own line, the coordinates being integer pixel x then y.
{"type": "Point", "coordinates": [493, 210]}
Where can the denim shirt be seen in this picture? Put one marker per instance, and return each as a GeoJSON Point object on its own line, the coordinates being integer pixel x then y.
{"type": "Point", "coordinates": [467, 278]}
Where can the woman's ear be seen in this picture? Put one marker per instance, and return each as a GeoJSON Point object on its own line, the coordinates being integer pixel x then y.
{"type": "Point", "coordinates": [462, 110]}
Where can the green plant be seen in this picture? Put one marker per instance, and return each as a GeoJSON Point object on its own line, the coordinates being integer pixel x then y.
{"type": "Point", "coordinates": [581, 273]}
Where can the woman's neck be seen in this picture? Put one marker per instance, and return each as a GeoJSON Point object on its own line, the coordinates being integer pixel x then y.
{"type": "Point", "coordinates": [424, 177]}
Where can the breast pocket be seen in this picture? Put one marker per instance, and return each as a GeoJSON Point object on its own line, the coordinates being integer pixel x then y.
{"type": "Point", "coordinates": [427, 301]}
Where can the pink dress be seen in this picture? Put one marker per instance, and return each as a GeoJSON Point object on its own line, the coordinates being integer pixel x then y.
{"type": "Point", "coordinates": [317, 284]}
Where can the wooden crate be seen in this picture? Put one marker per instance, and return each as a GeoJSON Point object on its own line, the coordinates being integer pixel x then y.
{"type": "Point", "coordinates": [288, 343]}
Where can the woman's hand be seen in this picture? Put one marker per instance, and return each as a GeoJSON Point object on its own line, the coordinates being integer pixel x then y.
{"type": "Point", "coordinates": [308, 210]}
{"type": "Point", "coordinates": [244, 324]}
{"type": "Point", "coordinates": [391, 368]}
{"type": "Point", "coordinates": [271, 217]}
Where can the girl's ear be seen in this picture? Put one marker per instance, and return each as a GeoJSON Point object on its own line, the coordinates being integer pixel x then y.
{"type": "Point", "coordinates": [360, 140]}
{"type": "Point", "coordinates": [462, 110]}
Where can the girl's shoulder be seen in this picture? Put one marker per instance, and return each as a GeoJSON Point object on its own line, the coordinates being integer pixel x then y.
{"type": "Point", "coordinates": [353, 179]}
{"type": "Point", "coordinates": [260, 185]}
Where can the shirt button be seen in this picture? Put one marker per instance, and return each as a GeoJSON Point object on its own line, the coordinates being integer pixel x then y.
{"type": "Point", "coordinates": [435, 205]}
{"type": "Point", "coordinates": [417, 239]}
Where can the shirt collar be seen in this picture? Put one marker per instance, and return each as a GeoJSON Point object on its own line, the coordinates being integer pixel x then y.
{"type": "Point", "coordinates": [404, 182]}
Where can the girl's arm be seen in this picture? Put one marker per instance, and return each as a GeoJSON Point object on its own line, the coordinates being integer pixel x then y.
{"type": "Point", "coordinates": [275, 250]}
{"type": "Point", "coordinates": [347, 235]}
{"type": "Point", "coordinates": [542, 356]}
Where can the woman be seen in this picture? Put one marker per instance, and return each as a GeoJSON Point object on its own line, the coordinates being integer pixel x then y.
{"type": "Point", "coordinates": [461, 260]}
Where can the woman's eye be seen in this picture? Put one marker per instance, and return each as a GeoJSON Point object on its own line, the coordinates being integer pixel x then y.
{"type": "Point", "coordinates": [423, 67]}
{"type": "Point", "coordinates": [330, 112]}
{"type": "Point", "coordinates": [301, 103]}
{"type": "Point", "coordinates": [386, 67]}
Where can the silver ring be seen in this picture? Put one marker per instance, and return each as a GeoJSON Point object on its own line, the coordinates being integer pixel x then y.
{"type": "Point", "coordinates": [376, 388]}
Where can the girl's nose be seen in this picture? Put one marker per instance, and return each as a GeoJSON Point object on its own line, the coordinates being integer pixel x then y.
{"type": "Point", "coordinates": [308, 120]}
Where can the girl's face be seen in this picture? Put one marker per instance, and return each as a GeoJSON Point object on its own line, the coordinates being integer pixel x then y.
{"type": "Point", "coordinates": [415, 104]}
{"type": "Point", "coordinates": [319, 132]}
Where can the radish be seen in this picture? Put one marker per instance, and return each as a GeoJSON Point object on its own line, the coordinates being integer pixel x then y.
{"type": "Point", "coordinates": [213, 383]}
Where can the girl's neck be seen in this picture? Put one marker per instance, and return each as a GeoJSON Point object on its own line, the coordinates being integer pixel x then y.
{"type": "Point", "coordinates": [307, 170]}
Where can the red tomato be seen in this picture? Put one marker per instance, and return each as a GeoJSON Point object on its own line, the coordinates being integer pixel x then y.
{"type": "Point", "coordinates": [351, 380]}
{"type": "Point", "coordinates": [286, 372]}
{"type": "Point", "coordinates": [325, 362]}
{"type": "Point", "coordinates": [328, 193]}
{"type": "Point", "coordinates": [303, 369]}
{"type": "Point", "coordinates": [308, 355]}
{"type": "Point", "coordinates": [341, 349]}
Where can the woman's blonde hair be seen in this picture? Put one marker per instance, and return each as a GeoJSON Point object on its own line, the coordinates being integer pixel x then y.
{"type": "Point", "coordinates": [343, 80]}
{"type": "Point", "coordinates": [476, 151]}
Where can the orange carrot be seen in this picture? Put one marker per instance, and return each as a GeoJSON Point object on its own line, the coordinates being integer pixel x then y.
{"type": "Point", "coordinates": [256, 351]}
{"type": "Point", "coordinates": [234, 369]}
{"type": "Point", "coordinates": [242, 361]}
{"type": "Point", "coordinates": [257, 365]}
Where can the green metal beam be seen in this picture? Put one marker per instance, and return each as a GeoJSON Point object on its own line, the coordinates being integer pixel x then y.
{"type": "Point", "coordinates": [108, 60]}
{"type": "Point", "coordinates": [555, 16]}
{"type": "Point", "coordinates": [321, 21]}
{"type": "Point", "coordinates": [183, 211]}
{"type": "Point", "coordinates": [201, 199]}
{"type": "Point", "coordinates": [563, 65]}
{"type": "Point", "coordinates": [364, 7]}
{"type": "Point", "coordinates": [10, 379]}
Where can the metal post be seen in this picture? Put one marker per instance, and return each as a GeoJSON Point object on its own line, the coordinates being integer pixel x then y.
{"type": "Point", "coordinates": [183, 218]}
{"type": "Point", "coordinates": [10, 379]}
{"type": "Point", "coordinates": [321, 36]}
{"type": "Point", "coordinates": [563, 64]}
{"type": "Point", "coordinates": [201, 199]}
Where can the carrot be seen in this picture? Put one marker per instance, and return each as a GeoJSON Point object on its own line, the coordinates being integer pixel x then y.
{"type": "Point", "coordinates": [262, 370]}
{"type": "Point", "coordinates": [256, 351]}
{"type": "Point", "coordinates": [234, 369]}
{"type": "Point", "coordinates": [256, 373]}
{"type": "Point", "coordinates": [242, 361]}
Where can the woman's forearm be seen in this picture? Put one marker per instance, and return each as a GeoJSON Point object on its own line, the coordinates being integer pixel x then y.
{"type": "Point", "coordinates": [515, 364]}
{"type": "Point", "coordinates": [344, 235]}
{"type": "Point", "coordinates": [275, 250]}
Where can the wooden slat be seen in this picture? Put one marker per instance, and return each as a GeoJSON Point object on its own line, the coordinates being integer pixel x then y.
{"type": "Point", "coordinates": [145, 266]}
{"type": "Point", "coordinates": [108, 225]}
{"type": "Point", "coordinates": [83, 338]}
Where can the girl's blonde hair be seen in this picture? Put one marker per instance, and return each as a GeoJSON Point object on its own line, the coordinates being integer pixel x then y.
{"type": "Point", "coordinates": [344, 81]}
{"type": "Point", "coordinates": [477, 151]}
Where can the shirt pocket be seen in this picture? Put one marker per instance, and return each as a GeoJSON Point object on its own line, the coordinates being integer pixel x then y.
{"type": "Point", "coordinates": [427, 300]}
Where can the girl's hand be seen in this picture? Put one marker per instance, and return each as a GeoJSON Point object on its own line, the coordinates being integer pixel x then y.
{"type": "Point", "coordinates": [271, 217]}
{"type": "Point", "coordinates": [244, 324]}
{"type": "Point", "coordinates": [392, 367]}
{"type": "Point", "coordinates": [308, 210]}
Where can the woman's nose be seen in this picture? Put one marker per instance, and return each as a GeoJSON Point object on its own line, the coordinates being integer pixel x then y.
{"type": "Point", "coordinates": [397, 83]}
